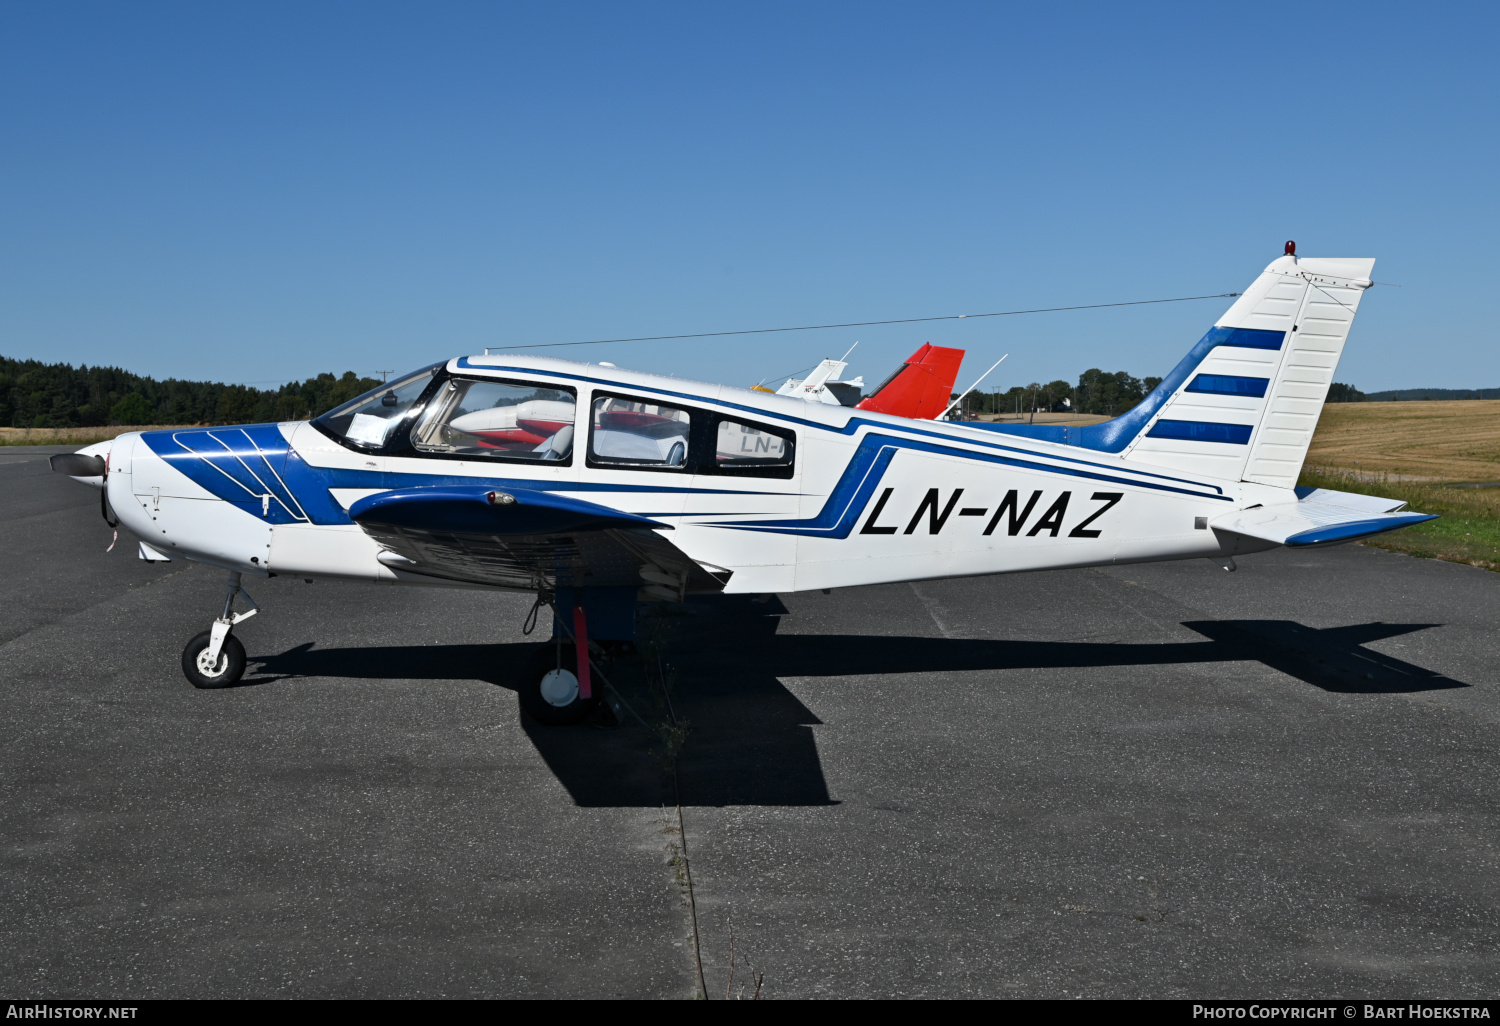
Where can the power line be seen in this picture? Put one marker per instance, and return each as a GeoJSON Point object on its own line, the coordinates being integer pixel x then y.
{"type": "Point", "coordinates": [292, 381]}
{"type": "Point", "coordinates": [863, 324]}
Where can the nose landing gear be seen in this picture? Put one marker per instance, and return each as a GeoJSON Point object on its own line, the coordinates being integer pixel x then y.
{"type": "Point", "coordinates": [215, 658]}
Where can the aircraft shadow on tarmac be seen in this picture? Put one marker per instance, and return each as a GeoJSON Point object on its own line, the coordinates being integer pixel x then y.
{"type": "Point", "coordinates": [751, 739]}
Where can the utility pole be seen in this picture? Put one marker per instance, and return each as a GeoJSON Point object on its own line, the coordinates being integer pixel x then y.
{"type": "Point", "coordinates": [384, 374]}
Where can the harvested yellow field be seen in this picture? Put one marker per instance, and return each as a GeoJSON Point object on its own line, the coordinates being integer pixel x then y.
{"type": "Point", "coordinates": [66, 436]}
{"type": "Point", "coordinates": [1453, 441]}
{"type": "Point", "coordinates": [1412, 451]}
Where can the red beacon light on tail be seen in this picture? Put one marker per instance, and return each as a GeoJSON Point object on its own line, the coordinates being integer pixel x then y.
{"type": "Point", "coordinates": [1291, 248]}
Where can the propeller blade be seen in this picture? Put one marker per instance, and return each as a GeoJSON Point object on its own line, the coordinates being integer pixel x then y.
{"type": "Point", "coordinates": [76, 464]}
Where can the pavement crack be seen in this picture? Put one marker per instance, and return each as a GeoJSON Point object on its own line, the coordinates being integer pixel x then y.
{"type": "Point", "coordinates": [672, 732]}
{"type": "Point", "coordinates": [1179, 612]}
{"type": "Point", "coordinates": [932, 605]}
{"type": "Point", "coordinates": [687, 874]}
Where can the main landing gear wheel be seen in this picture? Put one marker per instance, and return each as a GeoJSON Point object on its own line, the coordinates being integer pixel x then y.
{"type": "Point", "coordinates": [549, 686]}
{"type": "Point", "coordinates": [202, 673]}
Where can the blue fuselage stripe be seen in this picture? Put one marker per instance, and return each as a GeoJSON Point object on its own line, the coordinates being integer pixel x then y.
{"type": "Point", "coordinates": [1115, 435]}
{"type": "Point", "coordinates": [252, 465]}
{"type": "Point", "coordinates": [241, 464]}
{"type": "Point", "coordinates": [864, 472]}
{"type": "Point", "coordinates": [852, 426]}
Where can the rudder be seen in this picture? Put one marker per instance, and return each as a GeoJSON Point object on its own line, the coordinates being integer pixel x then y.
{"type": "Point", "coordinates": [921, 388]}
{"type": "Point", "coordinates": [1245, 402]}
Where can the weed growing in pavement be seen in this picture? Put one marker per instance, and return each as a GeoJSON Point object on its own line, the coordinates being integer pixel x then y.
{"type": "Point", "coordinates": [1155, 885]}
{"type": "Point", "coordinates": [652, 636]}
{"type": "Point", "coordinates": [758, 978]}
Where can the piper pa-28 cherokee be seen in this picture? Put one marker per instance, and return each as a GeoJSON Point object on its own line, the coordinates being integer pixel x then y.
{"type": "Point", "coordinates": [481, 472]}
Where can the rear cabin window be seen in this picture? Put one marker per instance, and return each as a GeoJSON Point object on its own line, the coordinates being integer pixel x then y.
{"type": "Point", "coordinates": [633, 433]}
{"type": "Point", "coordinates": [508, 420]}
{"type": "Point", "coordinates": [752, 449]}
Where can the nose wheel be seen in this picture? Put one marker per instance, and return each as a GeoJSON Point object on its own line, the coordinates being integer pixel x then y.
{"type": "Point", "coordinates": [200, 667]}
{"type": "Point", "coordinates": [215, 658]}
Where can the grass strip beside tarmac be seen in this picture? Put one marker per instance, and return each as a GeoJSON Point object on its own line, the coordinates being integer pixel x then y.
{"type": "Point", "coordinates": [79, 436]}
{"type": "Point", "coordinates": [1468, 530]}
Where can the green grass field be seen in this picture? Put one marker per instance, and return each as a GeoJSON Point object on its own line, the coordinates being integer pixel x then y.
{"type": "Point", "coordinates": [1418, 451]}
{"type": "Point", "coordinates": [1468, 531]}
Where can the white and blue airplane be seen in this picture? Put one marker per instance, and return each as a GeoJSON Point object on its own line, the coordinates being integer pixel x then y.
{"type": "Point", "coordinates": [597, 488]}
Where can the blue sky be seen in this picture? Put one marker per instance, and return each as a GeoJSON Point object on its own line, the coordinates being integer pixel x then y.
{"type": "Point", "coordinates": [259, 192]}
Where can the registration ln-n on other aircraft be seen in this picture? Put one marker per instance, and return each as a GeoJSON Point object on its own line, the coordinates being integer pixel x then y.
{"type": "Point", "coordinates": [596, 488]}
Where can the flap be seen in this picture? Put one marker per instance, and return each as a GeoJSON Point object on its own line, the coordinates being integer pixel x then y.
{"type": "Point", "coordinates": [1323, 518]}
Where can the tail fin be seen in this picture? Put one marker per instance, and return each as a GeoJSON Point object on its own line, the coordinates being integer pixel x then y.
{"type": "Point", "coordinates": [1244, 402]}
{"type": "Point", "coordinates": [921, 387]}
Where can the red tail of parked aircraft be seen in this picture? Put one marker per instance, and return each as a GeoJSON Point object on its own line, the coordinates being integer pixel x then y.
{"type": "Point", "coordinates": [921, 388]}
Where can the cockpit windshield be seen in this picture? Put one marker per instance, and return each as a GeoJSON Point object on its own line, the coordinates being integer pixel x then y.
{"type": "Point", "coordinates": [371, 420]}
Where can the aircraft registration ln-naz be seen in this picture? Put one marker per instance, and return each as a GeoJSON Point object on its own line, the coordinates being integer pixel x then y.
{"type": "Point", "coordinates": [597, 488]}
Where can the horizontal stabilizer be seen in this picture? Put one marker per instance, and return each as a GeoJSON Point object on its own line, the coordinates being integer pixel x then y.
{"type": "Point", "coordinates": [491, 511]}
{"type": "Point", "coordinates": [1320, 517]}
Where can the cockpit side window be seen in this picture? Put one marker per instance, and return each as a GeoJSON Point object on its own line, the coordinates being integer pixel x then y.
{"type": "Point", "coordinates": [377, 418]}
{"type": "Point", "coordinates": [501, 420]}
{"type": "Point", "coordinates": [639, 434]}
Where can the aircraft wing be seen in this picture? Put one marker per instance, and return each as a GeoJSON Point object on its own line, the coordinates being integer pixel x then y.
{"type": "Point", "coordinates": [526, 538]}
{"type": "Point", "coordinates": [1320, 517]}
